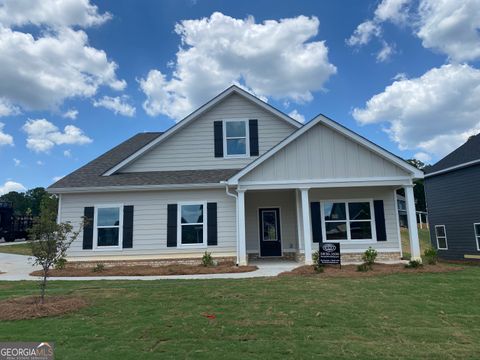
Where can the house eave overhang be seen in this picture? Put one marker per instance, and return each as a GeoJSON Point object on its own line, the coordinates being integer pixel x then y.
{"type": "Point", "coordinates": [452, 168]}
{"type": "Point", "coordinates": [168, 187]}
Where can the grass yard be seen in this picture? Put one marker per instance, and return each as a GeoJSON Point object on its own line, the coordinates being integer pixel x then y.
{"type": "Point", "coordinates": [20, 249]}
{"type": "Point", "coordinates": [424, 237]}
{"type": "Point", "coordinates": [428, 316]}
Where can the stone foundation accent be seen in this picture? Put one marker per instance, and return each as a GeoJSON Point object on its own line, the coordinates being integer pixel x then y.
{"type": "Point", "coordinates": [381, 257]}
{"type": "Point", "coordinates": [285, 256]}
{"type": "Point", "coordinates": [151, 262]}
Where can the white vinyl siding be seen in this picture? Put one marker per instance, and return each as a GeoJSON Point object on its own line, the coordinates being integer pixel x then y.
{"type": "Point", "coordinates": [150, 223]}
{"type": "Point", "coordinates": [192, 148]}
{"type": "Point", "coordinates": [323, 153]}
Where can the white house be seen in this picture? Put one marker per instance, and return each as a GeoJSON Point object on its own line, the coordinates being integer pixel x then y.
{"type": "Point", "coordinates": [240, 179]}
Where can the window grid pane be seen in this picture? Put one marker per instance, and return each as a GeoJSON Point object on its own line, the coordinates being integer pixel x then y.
{"type": "Point", "coordinates": [236, 129]}
{"type": "Point", "coordinates": [107, 236]}
{"type": "Point", "coordinates": [108, 216]}
{"type": "Point", "coordinates": [354, 224]}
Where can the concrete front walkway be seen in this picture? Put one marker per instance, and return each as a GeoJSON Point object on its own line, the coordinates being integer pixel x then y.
{"type": "Point", "coordinates": [18, 267]}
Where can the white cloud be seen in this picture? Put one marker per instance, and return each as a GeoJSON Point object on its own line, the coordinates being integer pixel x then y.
{"type": "Point", "coordinates": [40, 163]}
{"type": "Point", "coordinates": [43, 135]}
{"type": "Point", "coordinates": [39, 72]}
{"type": "Point", "coordinates": [56, 178]}
{"type": "Point", "coordinates": [434, 113]}
{"type": "Point", "coordinates": [297, 116]}
{"type": "Point", "coordinates": [117, 104]}
{"type": "Point", "coordinates": [6, 108]}
{"type": "Point", "coordinates": [385, 52]}
{"type": "Point", "coordinates": [5, 139]}
{"type": "Point", "coordinates": [451, 27]}
{"type": "Point", "coordinates": [423, 157]}
{"type": "Point", "coordinates": [11, 186]}
{"type": "Point", "coordinates": [272, 59]}
{"type": "Point", "coordinates": [67, 153]}
{"type": "Point", "coordinates": [395, 11]}
{"type": "Point", "coordinates": [16, 162]}
{"type": "Point", "coordinates": [70, 114]}
{"type": "Point", "coordinates": [400, 76]}
{"type": "Point", "coordinates": [52, 13]}
{"type": "Point", "coordinates": [364, 33]}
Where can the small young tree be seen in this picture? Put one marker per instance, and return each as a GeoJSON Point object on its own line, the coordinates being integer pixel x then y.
{"type": "Point", "coordinates": [49, 242]}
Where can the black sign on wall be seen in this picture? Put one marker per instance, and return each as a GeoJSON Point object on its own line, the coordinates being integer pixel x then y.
{"type": "Point", "coordinates": [329, 254]}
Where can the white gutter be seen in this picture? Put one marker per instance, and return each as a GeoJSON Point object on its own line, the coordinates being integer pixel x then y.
{"type": "Point", "coordinates": [453, 168]}
{"type": "Point", "coordinates": [227, 191]}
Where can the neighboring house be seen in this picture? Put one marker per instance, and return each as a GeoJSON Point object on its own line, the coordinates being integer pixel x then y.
{"type": "Point", "coordinates": [422, 216]}
{"type": "Point", "coordinates": [240, 179]}
{"type": "Point", "coordinates": [452, 188]}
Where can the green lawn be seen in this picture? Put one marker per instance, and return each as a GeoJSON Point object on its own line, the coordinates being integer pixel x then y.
{"type": "Point", "coordinates": [428, 316]}
{"type": "Point", "coordinates": [21, 249]}
{"type": "Point", "coordinates": [424, 237]}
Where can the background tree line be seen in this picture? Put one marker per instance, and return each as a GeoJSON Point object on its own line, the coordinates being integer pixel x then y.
{"type": "Point", "coordinates": [31, 202]}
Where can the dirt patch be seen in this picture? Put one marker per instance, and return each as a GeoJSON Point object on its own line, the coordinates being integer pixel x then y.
{"type": "Point", "coordinates": [150, 270]}
{"type": "Point", "coordinates": [378, 269]}
{"type": "Point", "coordinates": [30, 307]}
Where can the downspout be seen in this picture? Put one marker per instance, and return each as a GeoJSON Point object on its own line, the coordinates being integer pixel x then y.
{"type": "Point", "coordinates": [227, 191]}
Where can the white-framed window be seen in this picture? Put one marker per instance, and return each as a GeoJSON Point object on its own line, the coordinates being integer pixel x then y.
{"type": "Point", "coordinates": [192, 224]}
{"type": "Point", "coordinates": [345, 220]}
{"type": "Point", "coordinates": [476, 228]}
{"type": "Point", "coordinates": [108, 225]}
{"type": "Point", "coordinates": [236, 142]}
{"type": "Point", "coordinates": [441, 235]}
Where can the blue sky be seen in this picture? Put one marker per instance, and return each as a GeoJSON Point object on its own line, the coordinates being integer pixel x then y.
{"type": "Point", "coordinates": [75, 66]}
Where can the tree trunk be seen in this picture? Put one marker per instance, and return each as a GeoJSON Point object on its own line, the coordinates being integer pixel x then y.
{"type": "Point", "coordinates": [43, 286]}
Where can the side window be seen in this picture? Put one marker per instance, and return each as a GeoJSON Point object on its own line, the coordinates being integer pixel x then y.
{"type": "Point", "coordinates": [108, 226]}
{"type": "Point", "coordinates": [477, 234]}
{"type": "Point", "coordinates": [236, 138]}
{"type": "Point", "coordinates": [441, 235]}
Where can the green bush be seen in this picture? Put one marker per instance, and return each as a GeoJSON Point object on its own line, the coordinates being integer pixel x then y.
{"type": "Point", "coordinates": [98, 268]}
{"type": "Point", "coordinates": [414, 264]}
{"type": "Point", "coordinates": [363, 267]}
{"type": "Point", "coordinates": [431, 256]}
{"type": "Point", "coordinates": [315, 257]}
{"type": "Point", "coordinates": [207, 259]}
{"type": "Point", "coordinates": [369, 256]}
{"type": "Point", "coordinates": [60, 263]}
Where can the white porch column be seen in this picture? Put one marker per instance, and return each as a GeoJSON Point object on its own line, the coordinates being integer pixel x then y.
{"type": "Point", "coordinates": [307, 227]}
{"type": "Point", "coordinates": [298, 208]}
{"type": "Point", "coordinates": [242, 245]}
{"type": "Point", "coordinates": [412, 223]}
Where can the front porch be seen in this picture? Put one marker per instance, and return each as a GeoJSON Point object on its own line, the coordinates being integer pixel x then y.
{"type": "Point", "coordinates": [277, 224]}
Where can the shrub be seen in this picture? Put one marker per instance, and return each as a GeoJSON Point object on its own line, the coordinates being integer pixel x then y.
{"type": "Point", "coordinates": [363, 267]}
{"type": "Point", "coordinates": [369, 256]}
{"type": "Point", "coordinates": [315, 257]}
{"type": "Point", "coordinates": [60, 263]}
{"type": "Point", "coordinates": [98, 268]}
{"type": "Point", "coordinates": [414, 264]}
{"type": "Point", "coordinates": [431, 256]}
{"type": "Point", "coordinates": [207, 259]}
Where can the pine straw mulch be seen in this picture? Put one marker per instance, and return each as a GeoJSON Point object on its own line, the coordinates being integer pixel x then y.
{"type": "Point", "coordinates": [144, 270]}
{"type": "Point", "coordinates": [29, 307]}
{"type": "Point", "coordinates": [378, 269]}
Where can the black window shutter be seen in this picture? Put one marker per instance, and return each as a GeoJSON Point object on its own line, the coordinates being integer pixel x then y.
{"type": "Point", "coordinates": [316, 222]}
{"type": "Point", "coordinates": [253, 131]}
{"type": "Point", "coordinates": [128, 226]}
{"type": "Point", "coordinates": [212, 224]}
{"type": "Point", "coordinates": [218, 138]}
{"type": "Point", "coordinates": [88, 228]}
{"type": "Point", "coordinates": [380, 220]}
{"type": "Point", "coordinates": [172, 225]}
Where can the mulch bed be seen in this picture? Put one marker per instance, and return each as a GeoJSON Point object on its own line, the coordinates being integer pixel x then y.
{"type": "Point", "coordinates": [150, 270]}
{"type": "Point", "coordinates": [378, 269]}
{"type": "Point", "coordinates": [30, 307]}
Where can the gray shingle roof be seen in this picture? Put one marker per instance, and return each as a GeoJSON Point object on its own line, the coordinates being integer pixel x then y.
{"type": "Point", "coordinates": [470, 151]}
{"type": "Point", "coordinates": [90, 175]}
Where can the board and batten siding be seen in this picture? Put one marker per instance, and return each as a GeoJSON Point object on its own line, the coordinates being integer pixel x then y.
{"type": "Point", "coordinates": [453, 200]}
{"type": "Point", "coordinates": [150, 223]}
{"type": "Point", "coordinates": [283, 199]}
{"type": "Point", "coordinates": [387, 194]}
{"type": "Point", "coordinates": [192, 148]}
{"type": "Point", "coordinates": [323, 153]}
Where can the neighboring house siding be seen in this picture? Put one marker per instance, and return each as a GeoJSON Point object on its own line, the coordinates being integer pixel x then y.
{"type": "Point", "coordinates": [285, 200]}
{"type": "Point", "coordinates": [150, 222]}
{"type": "Point", "coordinates": [192, 147]}
{"type": "Point", "coordinates": [453, 200]}
{"type": "Point", "coordinates": [322, 153]}
{"type": "Point", "coordinates": [376, 193]}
